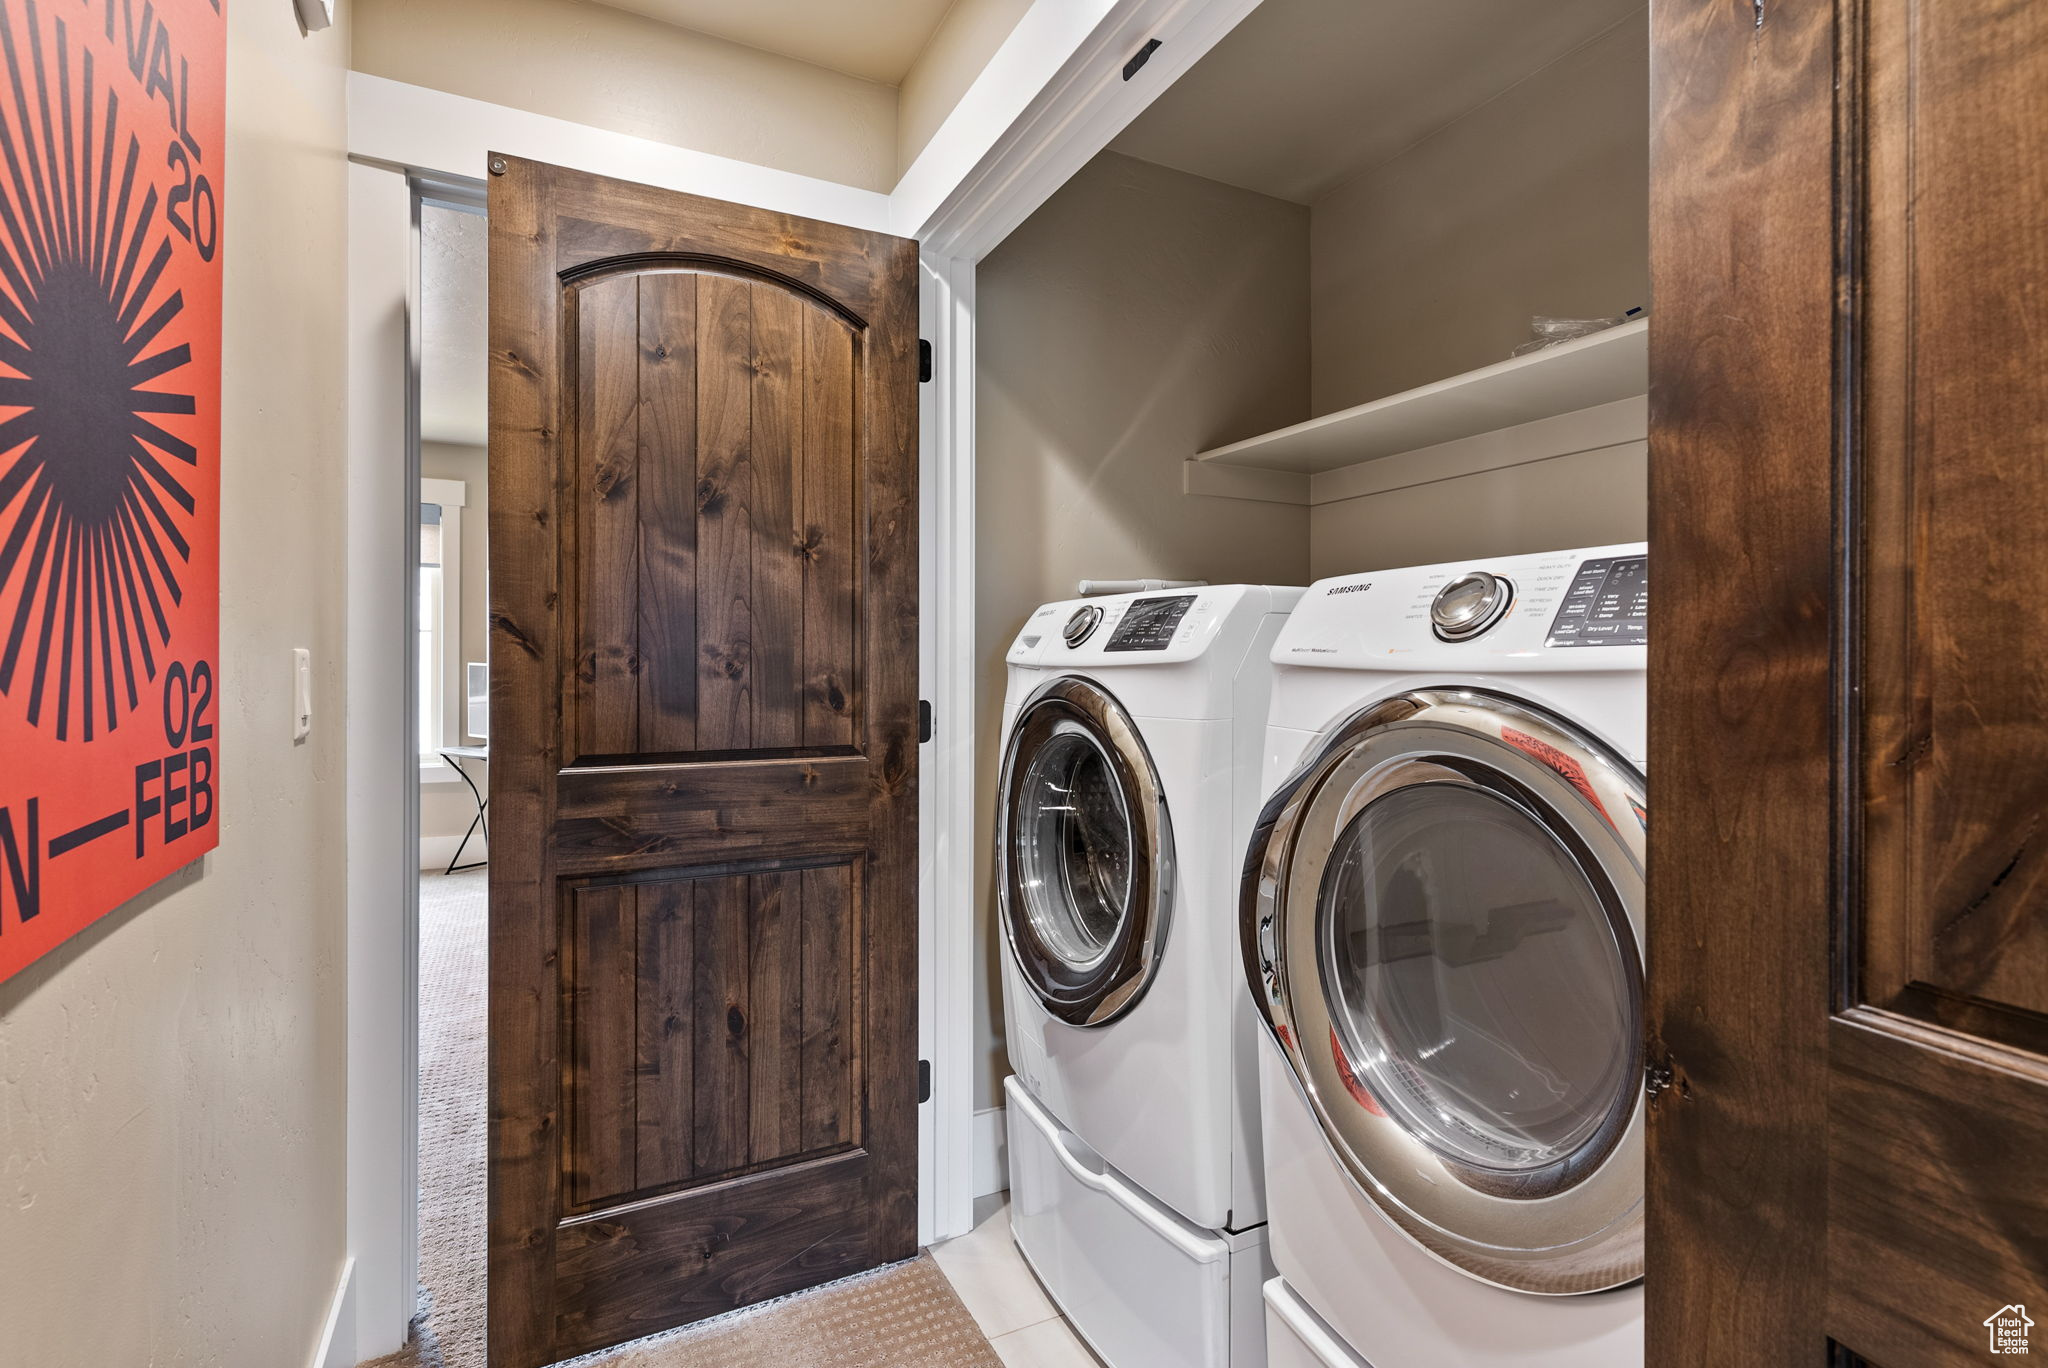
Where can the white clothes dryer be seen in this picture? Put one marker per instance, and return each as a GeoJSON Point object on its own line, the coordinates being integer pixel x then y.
{"type": "Point", "coordinates": [1133, 733]}
{"type": "Point", "coordinates": [1441, 915]}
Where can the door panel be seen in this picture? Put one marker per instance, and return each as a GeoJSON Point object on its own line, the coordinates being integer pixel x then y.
{"type": "Point", "coordinates": [698, 1046]}
{"type": "Point", "coordinates": [1956, 753]}
{"type": "Point", "coordinates": [1850, 239]}
{"type": "Point", "coordinates": [703, 905]}
{"type": "Point", "coordinates": [715, 444]}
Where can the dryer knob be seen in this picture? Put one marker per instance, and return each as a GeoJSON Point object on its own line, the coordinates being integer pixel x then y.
{"type": "Point", "coordinates": [1469, 605]}
{"type": "Point", "coordinates": [1081, 625]}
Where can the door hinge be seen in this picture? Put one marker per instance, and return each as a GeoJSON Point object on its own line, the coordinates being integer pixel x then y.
{"type": "Point", "coordinates": [1142, 56]}
{"type": "Point", "coordinates": [924, 1081]}
{"type": "Point", "coordinates": [1661, 1074]}
{"type": "Point", "coordinates": [924, 721]}
{"type": "Point", "coordinates": [924, 362]}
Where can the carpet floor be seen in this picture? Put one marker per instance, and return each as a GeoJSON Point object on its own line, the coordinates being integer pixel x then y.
{"type": "Point", "coordinates": [902, 1316]}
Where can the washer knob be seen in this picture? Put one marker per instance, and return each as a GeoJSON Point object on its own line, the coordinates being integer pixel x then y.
{"type": "Point", "coordinates": [1470, 604]}
{"type": "Point", "coordinates": [1081, 625]}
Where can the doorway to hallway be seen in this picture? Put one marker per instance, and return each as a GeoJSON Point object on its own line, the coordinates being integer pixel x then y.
{"type": "Point", "coordinates": [445, 639]}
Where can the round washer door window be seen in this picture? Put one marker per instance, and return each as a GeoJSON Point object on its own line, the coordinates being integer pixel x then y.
{"type": "Point", "coordinates": [1073, 841]}
{"type": "Point", "coordinates": [1475, 978]}
{"type": "Point", "coordinates": [1442, 923]}
{"type": "Point", "coordinates": [1085, 853]}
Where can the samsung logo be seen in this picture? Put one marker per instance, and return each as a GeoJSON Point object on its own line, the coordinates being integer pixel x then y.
{"type": "Point", "coordinates": [1348, 588]}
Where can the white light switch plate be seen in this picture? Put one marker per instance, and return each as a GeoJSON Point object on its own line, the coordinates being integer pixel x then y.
{"type": "Point", "coordinates": [302, 693]}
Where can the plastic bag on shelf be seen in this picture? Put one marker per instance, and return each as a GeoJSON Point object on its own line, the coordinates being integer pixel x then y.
{"type": "Point", "coordinates": [1545, 331]}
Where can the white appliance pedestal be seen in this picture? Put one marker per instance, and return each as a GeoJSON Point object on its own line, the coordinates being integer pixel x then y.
{"type": "Point", "coordinates": [1144, 1288]}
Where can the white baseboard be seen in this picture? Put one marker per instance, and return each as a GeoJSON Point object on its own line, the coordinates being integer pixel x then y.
{"type": "Point", "coordinates": [437, 851]}
{"type": "Point", "coordinates": [336, 1347]}
{"type": "Point", "coordinates": [991, 1152]}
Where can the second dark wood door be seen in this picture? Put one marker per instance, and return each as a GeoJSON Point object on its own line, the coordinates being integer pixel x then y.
{"type": "Point", "coordinates": [704, 633]}
{"type": "Point", "coordinates": [1848, 684]}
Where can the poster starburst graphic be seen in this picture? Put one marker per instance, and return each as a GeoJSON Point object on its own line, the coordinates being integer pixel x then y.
{"type": "Point", "coordinates": [110, 227]}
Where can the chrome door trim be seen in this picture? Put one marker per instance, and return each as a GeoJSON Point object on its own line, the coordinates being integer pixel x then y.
{"type": "Point", "coordinates": [1112, 984]}
{"type": "Point", "coordinates": [1574, 1228]}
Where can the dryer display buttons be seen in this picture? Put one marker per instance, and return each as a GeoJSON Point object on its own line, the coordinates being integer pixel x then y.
{"type": "Point", "coordinates": [1149, 624]}
{"type": "Point", "coordinates": [1607, 605]}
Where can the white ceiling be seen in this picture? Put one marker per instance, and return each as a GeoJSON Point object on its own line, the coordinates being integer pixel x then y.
{"type": "Point", "coordinates": [453, 323]}
{"type": "Point", "coordinates": [1305, 94]}
{"type": "Point", "coordinates": [873, 39]}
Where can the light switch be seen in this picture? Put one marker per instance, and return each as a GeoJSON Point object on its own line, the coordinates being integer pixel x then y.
{"type": "Point", "coordinates": [302, 693]}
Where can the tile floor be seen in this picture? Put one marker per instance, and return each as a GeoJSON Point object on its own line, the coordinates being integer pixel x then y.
{"type": "Point", "coordinates": [1004, 1297]}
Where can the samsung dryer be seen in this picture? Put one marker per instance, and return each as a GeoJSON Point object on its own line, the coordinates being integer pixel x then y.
{"type": "Point", "coordinates": [1132, 737]}
{"type": "Point", "coordinates": [1442, 922]}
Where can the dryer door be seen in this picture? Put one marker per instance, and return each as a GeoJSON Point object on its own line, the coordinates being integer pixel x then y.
{"type": "Point", "coordinates": [1084, 853]}
{"type": "Point", "coordinates": [1443, 926]}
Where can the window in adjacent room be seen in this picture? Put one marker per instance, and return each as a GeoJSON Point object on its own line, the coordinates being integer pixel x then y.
{"type": "Point", "coordinates": [441, 677]}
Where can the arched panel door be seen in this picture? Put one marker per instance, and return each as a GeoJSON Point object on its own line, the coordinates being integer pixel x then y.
{"type": "Point", "coordinates": [704, 643]}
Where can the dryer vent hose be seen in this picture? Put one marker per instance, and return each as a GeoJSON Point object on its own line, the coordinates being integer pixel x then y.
{"type": "Point", "coordinates": [1138, 586]}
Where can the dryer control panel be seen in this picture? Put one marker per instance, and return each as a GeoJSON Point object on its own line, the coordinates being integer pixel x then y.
{"type": "Point", "coordinates": [1510, 612]}
{"type": "Point", "coordinates": [1149, 624]}
{"type": "Point", "coordinates": [1148, 629]}
{"type": "Point", "coordinates": [1608, 604]}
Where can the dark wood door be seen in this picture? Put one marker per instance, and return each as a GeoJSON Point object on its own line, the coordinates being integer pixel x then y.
{"type": "Point", "coordinates": [1849, 687]}
{"type": "Point", "coordinates": [704, 743]}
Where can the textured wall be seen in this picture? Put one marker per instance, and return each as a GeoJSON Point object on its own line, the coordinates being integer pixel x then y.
{"type": "Point", "coordinates": [1141, 315]}
{"type": "Point", "coordinates": [600, 66]}
{"type": "Point", "coordinates": [1590, 498]}
{"type": "Point", "coordinates": [171, 1081]}
{"type": "Point", "coordinates": [955, 54]}
{"type": "Point", "coordinates": [1536, 202]}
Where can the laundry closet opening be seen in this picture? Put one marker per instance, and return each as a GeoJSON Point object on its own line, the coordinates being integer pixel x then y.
{"type": "Point", "coordinates": [1270, 335]}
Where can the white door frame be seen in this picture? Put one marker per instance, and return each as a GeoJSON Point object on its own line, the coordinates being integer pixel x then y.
{"type": "Point", "coordinates": [383, 771]}
{"type": "Point", "coordinates": [1050, 99]}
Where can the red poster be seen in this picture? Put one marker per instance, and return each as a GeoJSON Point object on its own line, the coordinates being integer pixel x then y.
{"type": "Point", "coordinates": [111, 123]}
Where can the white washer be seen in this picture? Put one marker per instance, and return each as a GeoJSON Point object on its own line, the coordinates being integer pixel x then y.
{"type": "Point", "coordinates": [1132, 738]}
{"type": "Point", "coordinates": [1442, 919]}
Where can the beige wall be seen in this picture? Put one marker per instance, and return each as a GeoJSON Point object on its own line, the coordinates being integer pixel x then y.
{"type": "Point", "coordinates": [954, 55]}
{"type": "Point", "coordinates": [1430, 265]}
{"type": "Point", "coordinates": [171, 1081]}
{"type": "Point", "coordinates": [571, 59]}
{"type": "Point", "coordinates": [1591, 498]}
{"type": "Point", "coordinates": [1139, 316]}
{"type": "Point", "coordinates": [1534, 203]}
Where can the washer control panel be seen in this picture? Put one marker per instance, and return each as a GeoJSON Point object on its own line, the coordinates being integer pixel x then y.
{"type": "Point", "coordinates": [1608, 604]}
{"type": "Point", "coordinates": [1149, 624]}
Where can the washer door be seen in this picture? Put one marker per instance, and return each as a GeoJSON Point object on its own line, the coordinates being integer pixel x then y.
{"type": "Point", "coordinates": [1084, 853]}
{"type": "Point", "coordinates": [1442, 921]}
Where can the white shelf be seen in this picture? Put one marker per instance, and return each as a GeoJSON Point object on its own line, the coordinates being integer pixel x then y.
{"type": "Point", "coordinates": [1599, 369]}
